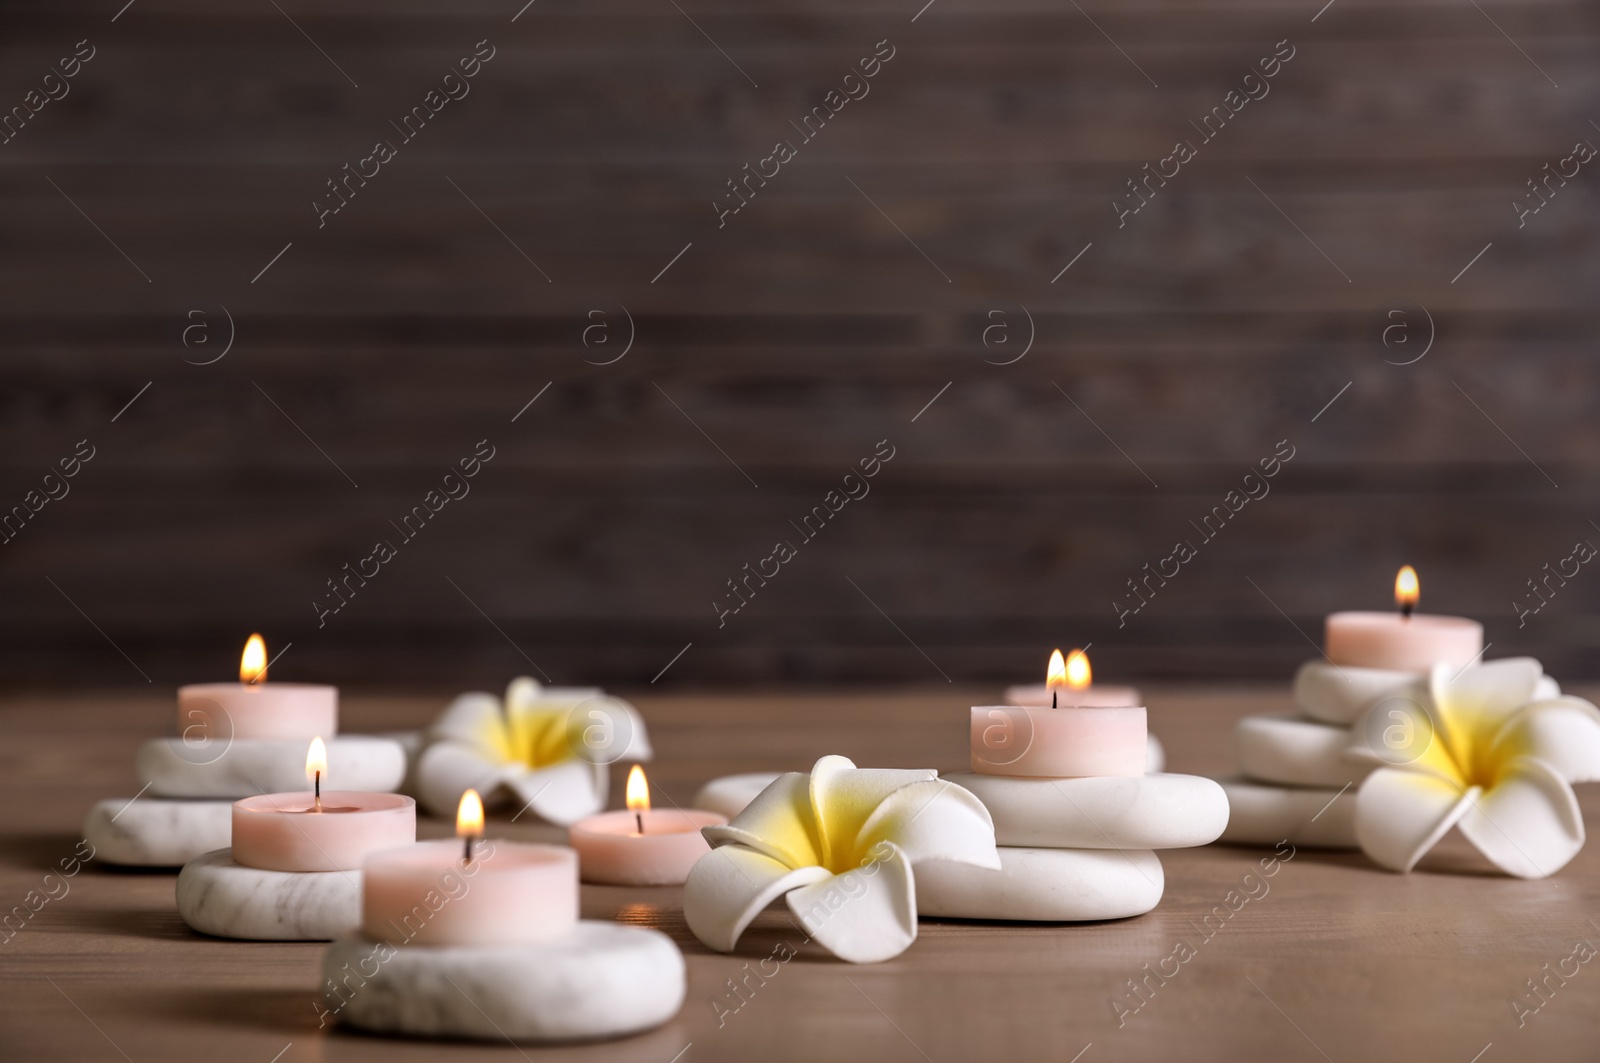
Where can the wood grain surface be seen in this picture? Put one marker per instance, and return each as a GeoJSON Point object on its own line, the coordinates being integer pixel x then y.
{"type": "Point", "coordinates": [1247, 303]}
{"type": "Point", "coordinates": [1333, 960]}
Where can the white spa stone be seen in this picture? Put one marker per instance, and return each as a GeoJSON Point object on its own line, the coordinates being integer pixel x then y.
{"type": "Point", "coordinates": [1263, 814]}
{"type": "Point", "coordinates": [1044, 885]}
{"type": "Point", "coordinates": [1100, 812]}
{"type": "Point", "coordinates": [249, 767]}
{"type": "Point", "coordinates": [731, 793]}
{"type": "Point", "coordinates": [1341, 693]}
{"type": "Point", "coordinates": [219, 897]}
{"type": "Point", "coordinates": [600, 980]}
{"type": "Point", "coordinates": [156, 832]}
{"type": "Point", "coordinates": [1296, 752]}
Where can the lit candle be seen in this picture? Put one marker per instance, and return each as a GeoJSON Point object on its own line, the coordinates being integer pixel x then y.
{"type": "Point", "coordinates": [1070, 681]}
{"type": "Point", "coordinates": [1403, 641]}
{"type": "Point", "coordinates": [316, 831]}
{"type": "Point", "coordinates": [254, 708]}
{"type": "Point", "coordinates": [641, 847]}
{"type": "Point", "coordinates": [460, 893]}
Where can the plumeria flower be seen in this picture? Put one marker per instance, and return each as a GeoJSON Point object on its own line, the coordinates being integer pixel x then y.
{"type": "Point", "coordinates": [1478, 749]}
{"type": "Point", "coordinates": [838, 845]}
{"type": "Point", "coordinates": [546, 749]}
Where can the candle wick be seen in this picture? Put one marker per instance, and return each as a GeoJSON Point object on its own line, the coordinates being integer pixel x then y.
{"type": "Point", "coordinates": [1405, 610]}
{"type": "Point", "coordinates": [466, 856]}
{"type": "Point", "coordinates": [317, 803]}
{"type": "Point", "coordinates": [1053, 695]}
{"type": "Point", "coordinates": [638, 817]}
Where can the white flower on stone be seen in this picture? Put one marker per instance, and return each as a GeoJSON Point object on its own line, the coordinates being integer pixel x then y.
{"type": "Point", "coordinates": [545, 749]}
{"type": "Point", "coordinates": [1483, 752]}
{"type": "Point", "coordinates": [838, 845]}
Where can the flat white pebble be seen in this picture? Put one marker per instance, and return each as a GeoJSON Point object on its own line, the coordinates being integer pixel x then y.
{"type": "Point", "coordinates": [155, 831]}
{"type": "Point", "coordinates": [1043, 885]}
{"type": "Point", "coordinates": [1100, 812]}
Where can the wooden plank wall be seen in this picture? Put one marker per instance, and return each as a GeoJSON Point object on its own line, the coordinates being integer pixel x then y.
{"type": "Point", "coordinates": [879, 271]}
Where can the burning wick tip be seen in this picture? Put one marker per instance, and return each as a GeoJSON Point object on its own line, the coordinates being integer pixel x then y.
{"type": "Point", "coordinates": [638, 818]}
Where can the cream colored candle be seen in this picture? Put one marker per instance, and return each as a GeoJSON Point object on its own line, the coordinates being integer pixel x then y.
{"type": "Point", "coordinates": [1059, 743]}
{"type": "Point", "coordinates": [253, 708]}
{"type": "Point", "coordinates": [1404, 641]}
{"type": "Point", "coordinates": [450, 893]}
{"type": "Point", "coordinates": [641, 847]}
{"type": "Point", "coordinates": [1070, 681]}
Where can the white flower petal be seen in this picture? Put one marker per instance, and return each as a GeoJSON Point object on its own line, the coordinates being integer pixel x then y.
{"type": "Point", "coordinates": [1528, 823]}
{"type": "Point", "coordinates": [778, 823]}
{"type": "Point", "coordinates": [1547, 690]}
{"type": "Point", "coordinates": [470, 718]}
{"type": "Point", "coordinates": [844, 796]}
{"type": "Point", "coordinates": [563, 793]}
{"type": "Point", "coordinates": [933, 820]}
{"type": "Point", "coordinates": [1400, 815]}
{"type": "Point", "coordinates": [729, 886]}
{"type": "Point", "coordinates": [448, 769]}
{"type": "Point", "coordinates": [1563, 732]}
{"type": "Point", "coordinates": [1483, 693]}
{"type": "Point", "coordinates": [866, 915]}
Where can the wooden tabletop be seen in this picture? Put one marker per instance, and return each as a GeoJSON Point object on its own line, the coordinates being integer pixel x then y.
{"type": "Point", "coordinates": [1334, 960]}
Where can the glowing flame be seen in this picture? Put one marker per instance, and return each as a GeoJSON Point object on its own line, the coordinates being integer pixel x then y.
{"type": "Point", "coordinates": [1078, 675]}
{"type": "Point", "coordinates": [253, 662]}
{"type": "Point", "coordinates": [469, 816]}
{"type": "Point", "coordinates": [638, 791]}
{"type": "Point", "coordinates": [1056, 674]}
{"type": "Point", "coordinates": [1406, 588]}
{"type": "Point", "coordinates": [316, 761]}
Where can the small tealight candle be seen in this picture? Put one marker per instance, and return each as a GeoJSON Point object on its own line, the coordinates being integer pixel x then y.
{"type": "Point", "coordinates": [1070, 681]}
{"type": "Point", "coordinates": [318, 831]}
{"type": "Point", "coordinates": [1403, 641]}
{"type": "Point", "coordinates": [641, 847]}
{"type": "Point", "coordinates": [253, 708]}
{"type": "Point", "coordinates": [461, 893]}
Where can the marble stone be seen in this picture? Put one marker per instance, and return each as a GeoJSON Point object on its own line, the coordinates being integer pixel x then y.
{"type": "Point", "coordinates": [156, 832]}
{"type": "Point", "coordinates": [248, 767]}
{"type": "Point", "coordinates": [599, 980]}
{"type": "Point", "coordinates": [1100, 812]}
{"type": "Point", "coordinates": [219, 897]}
{"type": "Point", "coordinates": [1296, 752]}
{"type": "Point", "coordinates": [1043, 885]}
{"type": "Point", "coordinates": [1263, 814]}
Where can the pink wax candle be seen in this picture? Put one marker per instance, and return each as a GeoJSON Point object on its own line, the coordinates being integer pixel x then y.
{"type": "Point", "coordinates": [253, 708]}
{"type": "Point", "coordinates": [289, 832]}
{"type": "Point", "coordinates": [1404, 641]}
{"type": "Point", "coordinates": [447, 893]}
{"type": "Point", "coordinates": [641, 847]}
{"type": "Point", "coordinates": [1069, 681]}
{"type": "Point", "coordinates": [1059, 743]}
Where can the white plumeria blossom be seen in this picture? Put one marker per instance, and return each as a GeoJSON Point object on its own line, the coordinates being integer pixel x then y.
{"type": "Point", "coordinates": [1486, 753]}
{"type": "Point", "coordinates": [838, 845]}
{"type": "Point", "coordinates": [545, 749]}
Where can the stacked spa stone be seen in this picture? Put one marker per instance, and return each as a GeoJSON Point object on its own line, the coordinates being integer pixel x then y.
{"type": "Point", "coordinates": [1077, 818]}
{"type": "Point", "coordinates": [1297, 782]}
{"type": "Point", "coordinates": [184, 807]}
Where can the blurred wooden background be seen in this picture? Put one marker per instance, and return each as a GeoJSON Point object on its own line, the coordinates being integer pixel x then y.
{"type": "Point", "coordinates": [1173, 355]}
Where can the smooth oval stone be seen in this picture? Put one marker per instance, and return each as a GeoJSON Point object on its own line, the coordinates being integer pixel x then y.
{"type": "Point", "coordinates": [1265, 815]}
{"type": "Point", "coordinates": [155, 832]}
{"type": "Point", "coordinates": [1296, 752]}
{"type": "Point", "coordinates": [1043, 885]}
{"type": "Point", "coordinates": [219, 897]}
{"type": "Point", "coordinates": [1100, 812]}
{"type": "Point", "coordinates": [1155, 756]}
{"type": "Point", "coordinates": [600, 980]}
{"type": "Point", "coordinates": [730, 794]}
{"type": "Point", "coordinates": [248, 767]}
{"type": "Point", "coordinates": [1341, 693]}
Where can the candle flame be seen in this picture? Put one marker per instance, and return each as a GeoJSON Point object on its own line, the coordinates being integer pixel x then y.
{"type": "Point", "coordinates": [638, 791]}
{"type": "Point", "coordinates": [253, 662]}
{"type": "Point", "coordinates": [1056, 674]}
{"type": "Point", "coordinates": [469, 816]}
{"type": "Point", "coordinates": [1078, 674]}
{"type": "Point", "coordinates": [1406, 588]}
{"type": "Point", "coordinates": [316, 761]}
